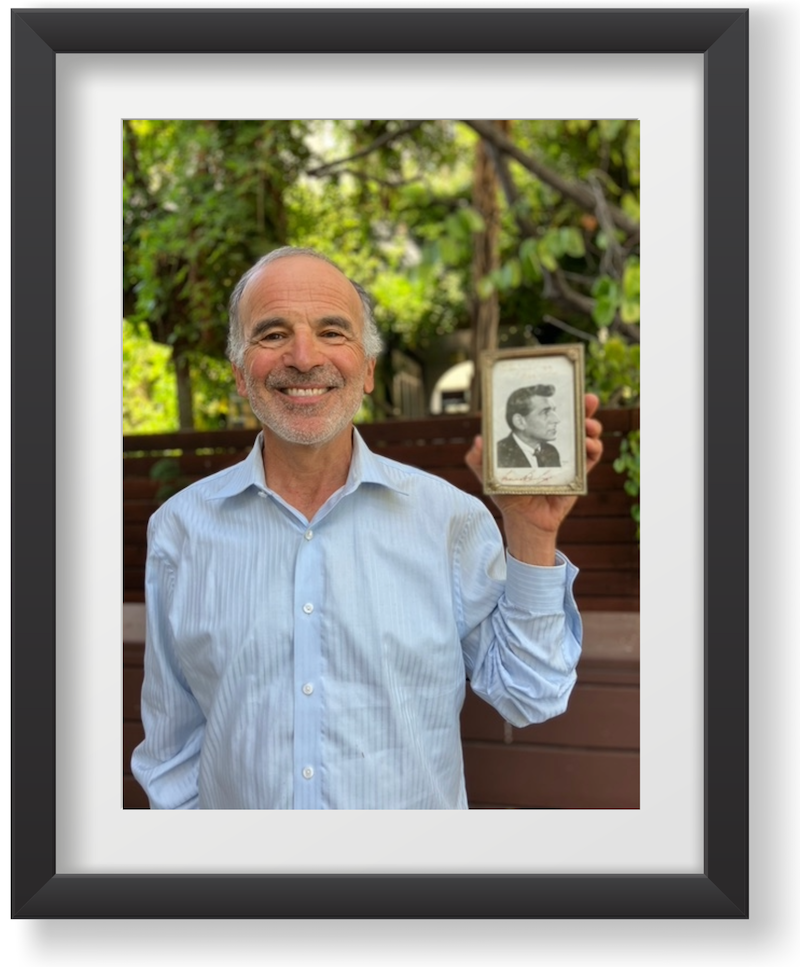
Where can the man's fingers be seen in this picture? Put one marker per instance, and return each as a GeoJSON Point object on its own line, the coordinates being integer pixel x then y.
{"type": "Point", "coordinates": [593, 429]}
{"type": "Point", "coordinates": [474, 457]}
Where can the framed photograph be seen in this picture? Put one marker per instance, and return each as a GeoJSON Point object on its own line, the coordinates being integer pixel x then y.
{"type": "Point", "coordinates": [533, 421]}
{"type": "Point", "coordinates": [40, 887]}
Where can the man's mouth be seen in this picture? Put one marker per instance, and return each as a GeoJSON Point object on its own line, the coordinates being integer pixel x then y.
{"type": "Point", "coordinates": [298, 391]}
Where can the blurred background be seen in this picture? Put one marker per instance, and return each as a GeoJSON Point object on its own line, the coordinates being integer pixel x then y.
{"type": "Point", "coordinates": [469, 235]}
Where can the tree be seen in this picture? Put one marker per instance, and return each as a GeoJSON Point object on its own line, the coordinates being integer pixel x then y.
{"type": "Point", "coordinates": [557, 254]}
{"type": "Point", "coordinates": [202, 200]}
{"type": "Point", "coordinates": [542, 230]}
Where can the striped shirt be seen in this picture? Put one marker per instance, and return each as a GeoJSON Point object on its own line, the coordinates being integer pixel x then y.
{"type": "Point", "coordinates": [295, 664]}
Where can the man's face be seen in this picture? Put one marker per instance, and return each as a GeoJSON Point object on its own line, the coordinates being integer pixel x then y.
{"type": "Point", "coordinates": [540, 425]}
{"type": "Point", "coordinates": [304, 370]}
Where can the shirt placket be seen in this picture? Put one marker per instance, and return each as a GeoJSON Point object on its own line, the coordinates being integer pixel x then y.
{"type": "Point", "coordinates": [308, 614]}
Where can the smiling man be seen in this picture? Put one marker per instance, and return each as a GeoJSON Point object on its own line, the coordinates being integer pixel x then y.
{"type": "Point", "coordinates": [314, 612]}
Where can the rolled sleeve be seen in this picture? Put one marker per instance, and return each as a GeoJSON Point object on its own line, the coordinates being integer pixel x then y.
{"type": "Point", "coordinates": [522, 657]}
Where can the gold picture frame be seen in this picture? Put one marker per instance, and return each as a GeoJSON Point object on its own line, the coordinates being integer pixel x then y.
{"type": "Point", "coordinates": [533, 420]}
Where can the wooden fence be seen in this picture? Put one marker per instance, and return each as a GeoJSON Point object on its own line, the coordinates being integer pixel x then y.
{"type": "Point", "coordinates": [599, 536]}
{"type": "Point", "coordinates": [586, 758]}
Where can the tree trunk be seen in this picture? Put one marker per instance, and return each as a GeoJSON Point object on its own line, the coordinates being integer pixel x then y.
{"type": "Point", "coordinates": [485, 259]}
{"type": "Point", "coordinates": [184, 380]}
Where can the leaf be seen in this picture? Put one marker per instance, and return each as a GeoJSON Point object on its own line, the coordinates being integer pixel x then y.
{"type": "Point", "coordinates": [512, 274]}
{"type": "Point", "coordinates": [484, 287]}
{"type": "Point", "coordinates": [546, 257]}
{"type": "Point", "coordinates": [455, 227]}
{"type": "Point", "coordinates": [527, 249]}
{"type": "Point", "coordinates": [604, 311]}
{"type": "Point", "coordinates": [450, 250]}
{"type": "Point", "coordinates": [555, 242]}
{"type": "Point", "coordinates": [430, 254]}
{"type": "Point", "coordinates": [606, 288]}
{"type": "Point", "coordinates": [630, 206]}
{"type": "Point", "coordinates": [472, 220]}
{"type": "Point", "coordinates": [630, 280]}
{"type": "Point", "coordinates": [629, 311]}
{"type": "Point", "coordinates": [572, 241]}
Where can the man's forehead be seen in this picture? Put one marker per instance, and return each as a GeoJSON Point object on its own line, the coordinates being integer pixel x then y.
{"type": "Point", "coordinates": [301, 278]}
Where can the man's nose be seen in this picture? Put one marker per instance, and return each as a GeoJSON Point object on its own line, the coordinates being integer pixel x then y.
{"type": "Point", "coordinates": [303, 353]}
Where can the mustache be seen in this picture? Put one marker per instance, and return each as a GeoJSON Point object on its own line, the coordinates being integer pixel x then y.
{"type": "Point", "coordinates": [319, 376]}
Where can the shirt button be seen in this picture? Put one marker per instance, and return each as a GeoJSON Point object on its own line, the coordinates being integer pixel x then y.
{"type": "Point", "coordinates": [308, 772]}
{"type": "Point", "coordinates": [308, 535]}
{"type": "Point", "coordinates": [308, 688]}
{"type": "Point", "coordinates": [308, 608]}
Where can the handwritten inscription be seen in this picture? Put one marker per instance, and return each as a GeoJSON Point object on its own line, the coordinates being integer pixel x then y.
{"type": "Point", "coordinates": [534, 476]}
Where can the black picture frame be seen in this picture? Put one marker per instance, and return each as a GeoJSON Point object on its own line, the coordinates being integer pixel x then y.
{"type": "Point", "coordinates": [721, 891]}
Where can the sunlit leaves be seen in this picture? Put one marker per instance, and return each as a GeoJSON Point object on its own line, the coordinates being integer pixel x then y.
{"type": "Point", "coordinates": [612, 297]}
{"type": "Point", "coordinates": [612, 372]}
{"type": "Point", "coordinates": [629, 308]}
{"type": "Point", "coordinates": [149, 403]}
{"type": "Point", "coordinates": [606, 292]}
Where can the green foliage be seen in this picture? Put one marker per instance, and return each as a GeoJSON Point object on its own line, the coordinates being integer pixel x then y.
{"type": "Point", "coordinates": [407, 245]}
{"type": "Point", "coordinates": [391, 202]}
{"type": "Point", "coordinates": [628, 463]}
{"type": "Point", "coordinates": [213, 386]}
{"type": "Point", "coordinates": [149, 403]}
{"type": "Point", "coordinates": [614, 296]}
{"type": "Point", "coordinates": [612, 372]}
{"type": "Point", "coordinates": [201, 201]}
{"type": "Point", "coordinates": [551, 234]}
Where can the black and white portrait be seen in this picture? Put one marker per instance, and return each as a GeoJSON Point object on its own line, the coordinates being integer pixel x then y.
{"type": "Point", "coordinates": [533, 420]}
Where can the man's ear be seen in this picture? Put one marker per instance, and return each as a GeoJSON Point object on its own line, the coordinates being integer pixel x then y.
{"type": "Point", "coordinates": [515, 421]}
{"type": "Point", "coordinates": [238, 375]}
{"type": "Point", "coordinates": [369, 378]}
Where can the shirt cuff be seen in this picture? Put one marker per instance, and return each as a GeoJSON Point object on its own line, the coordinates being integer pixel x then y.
{"type": "Point", "coordinates": [539, 589]}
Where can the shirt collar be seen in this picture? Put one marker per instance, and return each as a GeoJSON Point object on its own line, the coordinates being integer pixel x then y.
{"type": "Point", "coordinates": [365, 467]}
{"type": "Point", "coordinates": [527, 449]}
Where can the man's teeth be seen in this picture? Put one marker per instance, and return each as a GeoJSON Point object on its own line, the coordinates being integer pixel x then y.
{"type": "Point", "coordinates": [291, 391]}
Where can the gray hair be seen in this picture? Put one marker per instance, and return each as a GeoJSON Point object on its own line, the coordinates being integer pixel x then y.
{"type": "Point", "coordinates": [373, 344]}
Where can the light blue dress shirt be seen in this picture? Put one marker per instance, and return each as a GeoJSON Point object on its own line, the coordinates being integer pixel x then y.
{"type": "Point", "coordinates": [295, 664]}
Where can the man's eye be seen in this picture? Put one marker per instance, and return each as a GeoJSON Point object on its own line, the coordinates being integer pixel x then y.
{"type": "Point", "coordinates": [332, 334]}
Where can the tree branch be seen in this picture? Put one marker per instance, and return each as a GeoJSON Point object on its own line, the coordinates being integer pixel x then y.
{"type": "Point", "coordinates": [629, 330]}
{"type": "Point", "coordinates": [525, 225]}
{"type": "Point", "coordinates": [380, 142]}
{"type": "Point", "coordinates": [582, 196]}
{"type": "Point", "coordinates": [587, 336]}
{"type": "Point", "coordinates": [577, 300]}
{"type": "Point", "coordinates": [365, 176]}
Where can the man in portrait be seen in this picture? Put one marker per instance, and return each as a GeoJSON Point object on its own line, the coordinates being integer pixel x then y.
{"type": "Point", "coordinates": [531, 416]}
